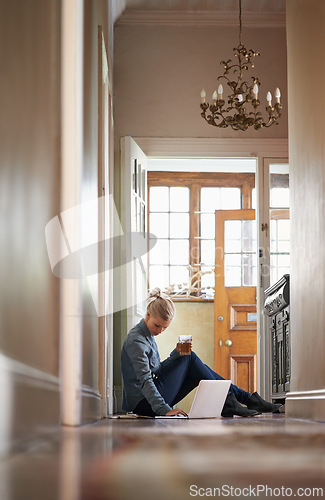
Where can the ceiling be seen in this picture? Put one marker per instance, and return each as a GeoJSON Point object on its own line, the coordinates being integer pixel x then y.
{"type": "Point", "coordinates": [263, 13]}
{"type": "Point", "coordinates": [206, 5]}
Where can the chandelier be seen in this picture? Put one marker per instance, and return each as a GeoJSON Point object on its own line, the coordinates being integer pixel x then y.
{"type": "Point", "coordinates": [242, 108]}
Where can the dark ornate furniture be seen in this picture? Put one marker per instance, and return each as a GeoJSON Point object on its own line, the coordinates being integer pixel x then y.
{"type": "Point", "coordinates": [277, 307]}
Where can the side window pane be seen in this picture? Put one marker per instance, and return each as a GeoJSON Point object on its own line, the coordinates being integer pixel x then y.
{"type": "Point", "coordinates": [160, 253]}
{"type": "Point", "coordinates": [229, 198]}
{"type": "Point", "coordinates": [179, 252]}
{"type": "Point", "coordinates": [159, 199]}
{"type": "Point", "coordinates": [179, 199]}
{"type": "Point", "coordinates": [208, 226]}
{"type": "Point", "coordinates": [208, 252]}
{"type": "Point", "coordinates": [159, 276]}
{"type": "Point", "coordinates": [159, 225]}
{"type": "Point", "coordinates": [179, 275]}
{"type": "Point", "coordinates": [210, 199]}
{"type": "Point", "coordinates": [179, 225]}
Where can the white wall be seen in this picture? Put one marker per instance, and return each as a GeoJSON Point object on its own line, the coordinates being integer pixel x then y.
{"type": "Point", "coordinates": [159, 72]}
{"type": "Point", "coordinates": [31, 195]}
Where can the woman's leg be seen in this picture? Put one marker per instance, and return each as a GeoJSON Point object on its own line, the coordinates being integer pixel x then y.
{"type": "Point", "coordinates": [184, 374]}
{"type": "Point", "coordinates": [180, 377]}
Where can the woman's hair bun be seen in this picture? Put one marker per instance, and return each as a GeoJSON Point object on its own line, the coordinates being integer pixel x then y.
{"type": "Point", "coordinates": [155, 293]}
{"type": "Point", "coordinates": [164, 308]}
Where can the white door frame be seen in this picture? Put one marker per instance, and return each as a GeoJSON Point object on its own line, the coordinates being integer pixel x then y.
{"type": "Point", "coordinates": [71, 180]}
{"type": "Point", "coordinates": [265, 359]}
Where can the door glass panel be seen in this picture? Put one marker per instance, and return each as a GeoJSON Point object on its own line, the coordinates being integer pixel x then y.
{"type": "Point", "coordinates": [249, 235]}
{"type": "Point", "coordinates": [249, 270]}
{"type": "Point", "coordinates": [279, 222]}
{"type": "Point", "coordinates": [283, 236]}
{"type": "Point", "coordinates": [233, 236]}
{"type": "Point", "coordinates": [233, 270]}
{"type": "Point", "coordinates": [240, 253]}
{"type": "Point", "coordinates": [279, 197]}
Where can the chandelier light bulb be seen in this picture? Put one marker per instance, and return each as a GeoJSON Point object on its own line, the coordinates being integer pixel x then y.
{"type": "Point", "coordinates": [214, 95]}
{"type": "Point", "coordinates": [240, 98]}
{"type": "Point", "coordinates": [269, 98]}
{"type": "Point", "coordinates": [255, 90]}
{"type": "Point", "coordinates": [220, 91]}
{"type": "Point", "coordinates": [203, 94]}
{"type": "Point", "coordinates": [277, 94]}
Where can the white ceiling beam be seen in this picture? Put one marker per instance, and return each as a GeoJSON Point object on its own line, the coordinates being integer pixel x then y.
{"type": "Point", "coordinates": [203, 18]}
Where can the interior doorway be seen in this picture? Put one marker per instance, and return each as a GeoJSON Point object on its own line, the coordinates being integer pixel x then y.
{"type": "Point", "coordinates": [183, 196]}
{"type": "Point", "coordinates": [179, 156]}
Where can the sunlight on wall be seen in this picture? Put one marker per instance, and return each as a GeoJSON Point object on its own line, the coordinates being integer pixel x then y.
{"type": "Point", "coordinates": [195, 319]}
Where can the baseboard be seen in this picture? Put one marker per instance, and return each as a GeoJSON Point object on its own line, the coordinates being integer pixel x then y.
{"type": "Point", "coordinates": [29, 404]}
{"type": "Point", "coordinates": [91, 405]}
{"type": "Point", "coordinates": [306, 404]}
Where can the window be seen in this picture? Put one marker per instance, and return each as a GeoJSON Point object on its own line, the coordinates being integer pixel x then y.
{"type": "Point", "coordinates": [169, 221]}
{"type": "Point", "coordinates": [279, 224]}
{"type": "Point", "coordinates": [181, 216]}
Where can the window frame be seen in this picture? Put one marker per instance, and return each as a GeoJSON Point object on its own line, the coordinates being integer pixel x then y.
{"type": "Point", "coordinates": [195, 181]}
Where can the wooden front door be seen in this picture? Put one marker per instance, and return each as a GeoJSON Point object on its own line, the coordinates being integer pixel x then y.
{"type": "Point", "coordinates": [235, 322]}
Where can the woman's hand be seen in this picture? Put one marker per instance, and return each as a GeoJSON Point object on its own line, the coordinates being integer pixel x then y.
{"type": "Point", "coordinates": [176, 411]}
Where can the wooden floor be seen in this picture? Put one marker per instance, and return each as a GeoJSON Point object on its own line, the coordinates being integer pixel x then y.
{"type": "Point", "coordinates": [265, 456]}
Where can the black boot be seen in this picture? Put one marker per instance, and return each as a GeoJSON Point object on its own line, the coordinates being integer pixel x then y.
{"type": "Point", "coordinates": [233, 407]}
{"type": "Point", "coordinates": [255, 402]}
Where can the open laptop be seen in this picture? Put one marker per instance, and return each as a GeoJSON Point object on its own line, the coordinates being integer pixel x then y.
{"type": "Point", "coordinates": [208, 401]}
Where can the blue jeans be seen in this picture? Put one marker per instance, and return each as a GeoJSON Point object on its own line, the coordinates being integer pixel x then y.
{"type": "Point", "coordinates": [180, 377]}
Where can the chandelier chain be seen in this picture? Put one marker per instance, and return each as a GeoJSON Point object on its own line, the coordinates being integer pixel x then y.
{"type": "Point", "coordinates": [240, 23]}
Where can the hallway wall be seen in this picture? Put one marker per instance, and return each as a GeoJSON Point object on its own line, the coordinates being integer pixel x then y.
{"type": "Point", "coordinates": [306, 71]}
{"type": "Point", "coordinates": [31, 195]}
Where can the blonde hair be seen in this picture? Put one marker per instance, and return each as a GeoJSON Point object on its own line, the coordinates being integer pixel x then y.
{"type": "Point", "coordinates": [159, 304]}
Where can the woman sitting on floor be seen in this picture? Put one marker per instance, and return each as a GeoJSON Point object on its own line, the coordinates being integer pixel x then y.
{"type": "Point", "coordinates": [152, 387]}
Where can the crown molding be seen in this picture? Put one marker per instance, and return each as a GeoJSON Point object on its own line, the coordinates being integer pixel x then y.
{"type": "Point", "coordinates": [202, 18]}
{"type": "Point", "coordinates": [212, 147]}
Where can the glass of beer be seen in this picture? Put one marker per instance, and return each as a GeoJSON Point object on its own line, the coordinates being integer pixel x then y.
{"type": "Point", "coordinates": [184, 344]}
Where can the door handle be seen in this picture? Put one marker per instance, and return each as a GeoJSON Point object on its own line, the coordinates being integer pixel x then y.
{"type": "Point", "coordinates": [220, 318]}
{"type": "Point", "coordinates": [228, 342]}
